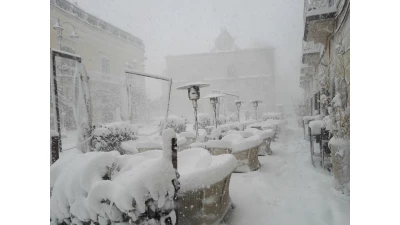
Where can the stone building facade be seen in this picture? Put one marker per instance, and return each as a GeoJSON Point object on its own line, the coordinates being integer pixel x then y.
{"type": "Point", "coordinates": [326, 53]}
{"type": "Point", "coordinates": [106, 51]}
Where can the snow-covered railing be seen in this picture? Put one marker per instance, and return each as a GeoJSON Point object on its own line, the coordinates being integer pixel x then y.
{"type": "Point", "coordinates": [319, 7]}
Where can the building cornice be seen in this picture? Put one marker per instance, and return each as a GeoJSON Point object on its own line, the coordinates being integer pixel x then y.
{"type": "Point", "coordinates": [92, 20]}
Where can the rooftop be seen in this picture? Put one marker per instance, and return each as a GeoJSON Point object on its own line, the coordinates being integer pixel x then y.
{"type": "Point", "coordinates": [80, 14]}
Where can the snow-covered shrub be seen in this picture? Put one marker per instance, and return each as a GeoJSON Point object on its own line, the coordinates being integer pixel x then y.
{"type": "Point", "coordinates": [271, 115]}
{"type": "Point", "coordinates": [231, 118]}
{"type": "Point", "coordinates": [204, 120]}
{"type": "Point", "coordinates": [221, 120]}
{"type": "Point", "coordinates": [178, 124]}
{"type": "Point", "coordinates": [109, 188]}
{"type": "Point", "coordinates": [108, 137]}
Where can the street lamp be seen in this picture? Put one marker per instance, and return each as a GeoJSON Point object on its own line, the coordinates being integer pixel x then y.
{"type": "Point", "coordinates": [214, 99]}
{"type": "Point", "coordinates": [59, 27]}
{"type": "Point", "coordinates": [255, 105]}
{"type": "Point", "coordinates": [238, 104]}
{"type": "Point", "coordinates": [194, 95]}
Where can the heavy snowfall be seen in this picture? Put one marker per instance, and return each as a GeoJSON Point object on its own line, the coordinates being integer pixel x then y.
{"type": "Point", "coordinates": [193, 113]}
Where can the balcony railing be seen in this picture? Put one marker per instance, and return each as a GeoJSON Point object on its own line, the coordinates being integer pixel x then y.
{"type": "Point", "coordinates": [318, 7]}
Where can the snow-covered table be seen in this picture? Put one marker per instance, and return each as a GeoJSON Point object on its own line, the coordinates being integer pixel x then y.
{"type": "Point", "coordinates": [245, 150]}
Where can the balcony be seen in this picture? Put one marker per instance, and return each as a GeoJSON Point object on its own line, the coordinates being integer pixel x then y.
{"type": "Point", "coordinates": [312, 53]}
{"type": "Point", "coordinates": [307, 71]}
{"type": "Point", "coordinates": [319, 20]}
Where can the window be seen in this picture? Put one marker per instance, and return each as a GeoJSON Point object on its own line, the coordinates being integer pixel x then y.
{"type": "Point", "coordinates": [67, 66]}
{"type": "Point", "coordinates": [105, 65]}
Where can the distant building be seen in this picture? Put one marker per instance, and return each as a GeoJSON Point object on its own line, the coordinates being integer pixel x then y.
{"type": "Point", "coordinates": [248, 73]}
{"type": "Point", "coordinates": [106, 51]}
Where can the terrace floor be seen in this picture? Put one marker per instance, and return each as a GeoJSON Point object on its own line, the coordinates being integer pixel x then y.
{"type": "Point", "coordinates": [287, 189]}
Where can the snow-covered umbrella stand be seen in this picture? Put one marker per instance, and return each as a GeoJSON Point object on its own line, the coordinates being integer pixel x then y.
{"type": "Point", "coordinates": [194, 95]}
{"type": "Point", "coordinates": [214, 99]}
{"type": "Point", "coordinates": [255, 105]}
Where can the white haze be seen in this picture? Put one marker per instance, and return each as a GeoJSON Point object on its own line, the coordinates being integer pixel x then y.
{"type": "Point", "coordinates": [184, 27]}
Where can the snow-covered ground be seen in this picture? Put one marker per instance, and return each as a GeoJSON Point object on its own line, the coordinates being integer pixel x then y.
{"type": "Point", "coordinates": [287, 189]}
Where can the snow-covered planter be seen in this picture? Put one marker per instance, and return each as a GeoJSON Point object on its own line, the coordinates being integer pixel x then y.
{"type": "Point", "coordinates": [109, 188]}
{"type": "Point", "coordinates": [340, 155]}
{"type": "Point", "coordinates": [178, 124]}
{"type": "Point", "coordinates": [245, 150]}
{"type": "Point", "coordinates": [221, 120]}
{"type": "Point", "coordinates": [108, 137]}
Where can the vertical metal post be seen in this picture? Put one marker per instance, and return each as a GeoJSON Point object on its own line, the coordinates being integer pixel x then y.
{"type": "Point", "coordinates": [215, 115]}
{"type": "Point", "coordinates": [255, 112]}
{"type": "Point", "coordinates": [55, 152]}
{"type": "Point", "coordinates": [175, 165]}
{"type": "Point", "coordinates": [196, 125]}
{"type": "Point", "coordinates": [169, 98]}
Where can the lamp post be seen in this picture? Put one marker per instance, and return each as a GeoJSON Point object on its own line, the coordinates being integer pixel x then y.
{"type": "Point", "coordinates": [214, 100]}
{"type": "Point", "coordinates": [194, 95]}
{"type": "Point", "coordinates": [59, 27]}
{"type": "Point", "coordinates": [238, 104]}
{"type": "Point", "coordinates": [255, 105]}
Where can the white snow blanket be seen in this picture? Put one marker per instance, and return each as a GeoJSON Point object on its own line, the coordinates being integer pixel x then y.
{"type": "Point", "coordinates": [264, 134]}
{"type": "Point", "coordinates": [236, 142]}
{"type": "Point", "coordinates": [79, 189]}
{"type": "Point", "coordinates": [307, 119]}
{"type": "Point", "coordinates": [101, 186]}
{"type": "Point", "coordinates": [188, 134]}
{"type": "Point", "coordinates": [245, 134]}
{"type": "Point", "coordinates": [315, 126]}
{"type": "Point", "coordinates": [327, 123]}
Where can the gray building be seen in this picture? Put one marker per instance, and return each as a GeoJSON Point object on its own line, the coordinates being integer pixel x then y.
{"type": "Point", "coordinates": [248, 73]}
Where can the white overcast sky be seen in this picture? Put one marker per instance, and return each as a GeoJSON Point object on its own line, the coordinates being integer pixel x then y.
{"type": "Point", "coordinates": [173, 27]}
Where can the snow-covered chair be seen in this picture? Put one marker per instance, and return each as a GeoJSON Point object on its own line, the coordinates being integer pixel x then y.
{"type": "Point", "coordinates": [267, 136]}
{"type": "Point", "coordinates": [314, 131]}
{"type": "Point", "coordinates": [245, 150]}
{"type": "Point", "coordinates": [306, 121]}
{"type": "Point", "coordinates": [204, 186]}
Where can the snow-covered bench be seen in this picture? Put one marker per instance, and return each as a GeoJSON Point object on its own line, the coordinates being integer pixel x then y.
{"type": "Point", "coordinates": [245, 150]}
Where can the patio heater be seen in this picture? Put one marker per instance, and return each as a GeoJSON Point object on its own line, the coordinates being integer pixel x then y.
{"type": "Point", "coordinates": [214, 100]}
{"type": "Point", "coordinates": [255, 105]}
{"type": "Point", "coordinates": [238, 104]}
{"type": "Point", "coordinates": [194, 95]}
